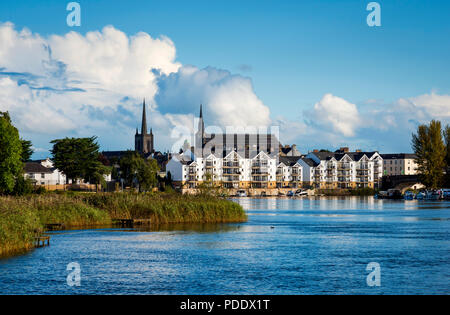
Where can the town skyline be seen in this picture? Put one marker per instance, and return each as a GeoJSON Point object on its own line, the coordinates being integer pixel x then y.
{"type": "Point", "coordinates": [305, 83]}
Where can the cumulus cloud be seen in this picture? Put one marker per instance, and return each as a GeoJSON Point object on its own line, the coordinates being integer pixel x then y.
{"type": "Point", "coordinates": [229, 99]}
{"type": "Point", "coordinates": [79, 85]}
{"type": "Point", "coordinates": [336, 114]}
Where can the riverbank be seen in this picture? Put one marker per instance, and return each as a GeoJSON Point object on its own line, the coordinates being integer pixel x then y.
{"type": "Point", "coordinates": [22, 218]}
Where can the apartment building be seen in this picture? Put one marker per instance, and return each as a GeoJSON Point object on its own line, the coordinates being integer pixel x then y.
{"type": "Point", "coordinates": [322, 170]}
{"type": "Point", "coordinates": [343, 169]}
{"type": "Point", "coordinates": [232, 171]}
{"type": "Point", "coordinates": [399, 164]}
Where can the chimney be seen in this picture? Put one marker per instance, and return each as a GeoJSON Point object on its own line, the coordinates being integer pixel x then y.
{"type": "Point", "coordinates": [344, 149]}
{"type": "Point", "coordinates": [358, 150]}
{"type": "Point", "coordinates": [316, 151]}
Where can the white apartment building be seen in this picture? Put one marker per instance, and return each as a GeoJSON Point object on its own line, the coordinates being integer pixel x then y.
{"type": "Point", "coordinates": [343, 169]}
{"type": "Point", "coordinates": [322, 170]}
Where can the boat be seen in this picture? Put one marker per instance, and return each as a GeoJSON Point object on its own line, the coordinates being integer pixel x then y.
{"type": "Point", "coordinates": [420, 196]}
{"type": "Point", "coordinates": [290, 193]}
{"type": "Point", "coordinates": [409, 195]}
{"type": "Point", "coordinates": [432, 195]}
{"type": "Point", "coordinates": [241, 193]}
{"type": "Point", "coordinates": [300, 193]}
{"type": "Point", "coordinates": [446, 194]}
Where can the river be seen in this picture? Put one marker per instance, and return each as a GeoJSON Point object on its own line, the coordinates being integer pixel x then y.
{"type": "Point", "coordinates": [288, 246]}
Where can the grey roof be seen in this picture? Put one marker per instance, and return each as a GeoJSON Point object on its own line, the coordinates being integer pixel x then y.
{"type": "Point", "coordinates": [246, 145]}
{"type": "Point", "coordinates": [398, 156]}
{"type": "Point", "coordinates": [355, 156]}
{"type": "Point", "coordinates": [310, 162]}
{"type": "Point", "coordinates": [33, 167]}
{"type": "Point", "coordinates": [289, 160]}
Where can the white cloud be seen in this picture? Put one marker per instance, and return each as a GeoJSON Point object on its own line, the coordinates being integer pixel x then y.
{"type": "Point", "coordinates": [335, 114]}
{"type": "Point", "coordinates": [433, 104]}
{"type": "Point", "coordinates": [229, 100]}
{"type": "Point", "coordinates": [81, 85]}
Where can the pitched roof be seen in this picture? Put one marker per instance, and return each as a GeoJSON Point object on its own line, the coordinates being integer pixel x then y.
{"type": "Point", "coordinates": [33, 167]}
{"type": "Point", "coordinates": [310, 162]}
{"type": "Point", "coordinates": [355, 156]}
{"type": "Point", "coordinates": [289, 160]}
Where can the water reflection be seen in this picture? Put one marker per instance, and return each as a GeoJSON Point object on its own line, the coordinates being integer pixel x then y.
{"type": "Point", "coordinates": [288, 246]}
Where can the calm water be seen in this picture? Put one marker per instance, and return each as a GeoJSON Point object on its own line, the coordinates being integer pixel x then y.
{"type": "Point", "coordinates": [316, 246]}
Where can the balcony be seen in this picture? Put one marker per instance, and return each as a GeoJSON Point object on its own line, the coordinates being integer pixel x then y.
{"type": "Point", "coordinates": [259, 164]}
{"type": "Point", "coordinates": [230, 164]}
{"type": "Point", "coordinates": [260, 178]}
{"type": "Point", "coordinates": [260, 171]}
{"type": "Point", "coordinates": [344, 166]}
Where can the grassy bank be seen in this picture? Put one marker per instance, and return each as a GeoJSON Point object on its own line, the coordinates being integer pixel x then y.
{"type": "Point", "coordinates": [22, 218]}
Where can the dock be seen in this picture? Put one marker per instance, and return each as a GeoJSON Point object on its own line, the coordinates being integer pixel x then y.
{"type": "Point", "coordinates": [54, 226]}
{"type": "Point", "coordinates": [41, 241]}
{"type": "Point", "coordinates": [131, 222]}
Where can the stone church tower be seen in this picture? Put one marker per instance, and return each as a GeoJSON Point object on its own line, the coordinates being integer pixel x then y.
{"type": "Point", "coordinates": [143, 142]}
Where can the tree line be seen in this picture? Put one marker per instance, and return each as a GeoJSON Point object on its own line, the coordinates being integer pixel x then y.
{"type": "Point", "coordinates": [431, 144]}
{"type": "Point", "coordinates": [76, 158]}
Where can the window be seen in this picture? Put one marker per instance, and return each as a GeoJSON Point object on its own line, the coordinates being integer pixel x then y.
{"type": "Point", "coordinates": [42, 175]}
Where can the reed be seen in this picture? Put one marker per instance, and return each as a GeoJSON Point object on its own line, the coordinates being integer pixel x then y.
{"type": "Point", "coordinates": [168, 208]}
{"type": "Point", "coordinates": [23, 218]}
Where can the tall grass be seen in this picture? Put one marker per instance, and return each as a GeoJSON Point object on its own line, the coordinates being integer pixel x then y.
{"type": "Point", "coordinates": [168, 208]}
{"type": "Point", "coordinates": [17, 230]}
{"type": "Point", "coordinates": [23, 218]}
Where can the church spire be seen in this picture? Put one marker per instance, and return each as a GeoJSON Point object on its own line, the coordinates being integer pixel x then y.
{"type": "Point", "coordinates": [201, 124]}
{"type": "Point", "coordinates": [144, 120]}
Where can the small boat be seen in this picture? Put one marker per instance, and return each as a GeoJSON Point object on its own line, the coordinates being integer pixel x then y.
{"type": "Point", "coordinates": [409, 195]}
{"type": "Point", "coordinates": [446, 194]}
{"type": "Point", "coordinates": [241, 193]}
{"type": "Point", "coordinates": [290, 193]}
{"type": "Point", "coordinates": [381, 195]}
{"type": "Point", "coordinates": [300, 193]}
{"type": "Point", "coordinates": [420, 196]}
{"type": "Point", "coordinates": [433, 195]}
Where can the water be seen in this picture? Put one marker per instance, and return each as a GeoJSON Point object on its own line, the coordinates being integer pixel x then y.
{"type": "Point", "coordinates": [308, 246]}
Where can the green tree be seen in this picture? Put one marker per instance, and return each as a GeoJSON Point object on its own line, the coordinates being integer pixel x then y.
{"type": "Point", "coordinates": [447, 160]}
{"type": "Point", "coordinates": [27, 150]}
{"type": "Point", "coordinates": [11, 166]}
{"type": "Point", "coordinates": [134, 169]}
{"type": "Point", "coordinates": [430, 150]}
{"type": "Point", "coordinates": [78, 158]}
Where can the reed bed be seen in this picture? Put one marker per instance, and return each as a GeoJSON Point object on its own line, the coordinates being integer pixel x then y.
{"type": "Point", "coordinates": [168, 208]}
{"type": "Point", "coordinates": [23, 218]}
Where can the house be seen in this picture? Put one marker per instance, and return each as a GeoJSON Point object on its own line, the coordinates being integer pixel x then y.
{"type": "Point", "coordinates": [42, 172]}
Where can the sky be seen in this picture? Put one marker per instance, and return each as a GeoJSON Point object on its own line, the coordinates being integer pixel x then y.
{"type": "Point", "coordinates": [315, 69]}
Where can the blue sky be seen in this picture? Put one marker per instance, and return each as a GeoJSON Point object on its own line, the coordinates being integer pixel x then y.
{"type": "Point", "coordinates": [294, 52]}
